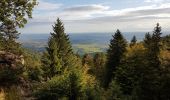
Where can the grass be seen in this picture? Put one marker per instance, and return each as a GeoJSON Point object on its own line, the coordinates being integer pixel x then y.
{"type": "Point", "coordinates": [89, 48]}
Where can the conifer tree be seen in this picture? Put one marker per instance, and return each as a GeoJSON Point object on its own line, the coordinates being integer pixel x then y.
{"type": "Point", "coordinates": [59, 54]}
{"type": "Point", "coordinates": [150, 80]}
{"type": "Point", "coordinates": [147, 40]}
{"type": "Point", "coordinates": [115, 53]}
{"type": "Point", "coordinates": [63, 45]}
{"type": "Point", "coordinates": [152, 43]}
{"type": "Point", "coordinates": [51, 62]}
{"type": "Point", "coordinates": [133, 41]}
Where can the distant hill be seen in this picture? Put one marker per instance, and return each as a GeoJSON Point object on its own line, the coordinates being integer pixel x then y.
{"type": "Point", "coordinates": [82, 42]}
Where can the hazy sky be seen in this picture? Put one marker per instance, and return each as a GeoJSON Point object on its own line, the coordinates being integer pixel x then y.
{"type": "Point", "coordinates": [100, 15]}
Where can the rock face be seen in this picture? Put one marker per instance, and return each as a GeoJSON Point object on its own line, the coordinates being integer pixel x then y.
{"type": "Point", "coordinates": [11, 59]}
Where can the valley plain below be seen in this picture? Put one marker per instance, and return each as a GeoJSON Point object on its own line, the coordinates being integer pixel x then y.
{"type": "Point", "coordinates": [82, 42]}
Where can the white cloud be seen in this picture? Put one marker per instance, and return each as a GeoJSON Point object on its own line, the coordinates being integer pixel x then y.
{"type": "Point", "coordinates": [156, 1]}
{"type": "Point", "coordinates": [79, 12]}
{"type": "Point", "coordinates": [95, 17]}
{"type": "Point", "coordinates": [87, 8]}
{"type": "Point", "coordinates": [42, 5]}
{"type": "Point", "coordinates": [100, 12]}
{"type": "Point", "coordinates": [130, 14]}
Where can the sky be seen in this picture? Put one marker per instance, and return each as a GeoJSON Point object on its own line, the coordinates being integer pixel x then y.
{"type": "Point", "coordinates": [85, 16]}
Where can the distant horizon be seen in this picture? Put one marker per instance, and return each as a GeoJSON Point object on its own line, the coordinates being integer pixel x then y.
{"type": "Point", "coordinates": [99, 32]}
{"type": "Point", "coordinates": [92, 36]}
{"type": "Point", "coordinates": [79, 40]}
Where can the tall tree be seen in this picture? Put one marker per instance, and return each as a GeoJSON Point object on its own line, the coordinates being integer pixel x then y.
{"type": "Point", "coordinates": [150, 80]}
{"type": "Point", "coordinates": [115, 53]}
{"type": "Point", "coordinates": [59, 55]}
{"type": "Point", "coordinates": [152, 44]}
{"type": "Point", "coordinates": [64, 51]}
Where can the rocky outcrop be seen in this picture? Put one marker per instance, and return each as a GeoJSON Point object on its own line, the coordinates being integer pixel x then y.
{"type": "Point", "coordinates": [11, 59]}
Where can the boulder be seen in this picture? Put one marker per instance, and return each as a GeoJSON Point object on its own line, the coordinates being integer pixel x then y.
{"type": "Point", "coordinates": [11, 59]}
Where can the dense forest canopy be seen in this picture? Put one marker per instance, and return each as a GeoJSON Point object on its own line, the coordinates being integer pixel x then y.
{"type": "Point", "coordinates": [127, 71]}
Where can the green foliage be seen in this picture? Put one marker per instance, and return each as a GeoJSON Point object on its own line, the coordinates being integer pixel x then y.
{"type": "Point", "coordinates": [152, 44]}
{"type": "Point", "coordinates": [67, 86]}
{"type": "Point", "coordinates": [114, 92]}
{"type": "Point", "coordinates": [165, 81]}
{"type": "Point", "coordinates": [53, 89]}
{"type": "Point", "coordinates": [32, 65]}
{"type": "Point", "coordinates": [115, 53]}
{"type": "Point", "coordinates": [13, 15]}
{"type": "Point", "coordinates": [132, 68]}
{"type": "Point", "coordinates": [10, 75]}
{"type": "Point", "coordinates": [150, 81]}
{"type": "Point", "coordinates": [35, 74]}
{"type": "Point", "coordinates": [9, 34]}
{"type": "Point", "coordinates": [140, 74]}
{"type": "Point", "coordinates": [166, 42]}
{"type": "Point", "coordinates": [51, 62]}
{"type": "Point", "coordinates": [12, 93]}
{"type": "Point", "coordinates": [63, 45]}
{"type": "Point", "coordinates": [59, 54]}
{"type": "Point", "coordinates": [16, 11]}
{"type": "Point", "coordinates": [99, 66]}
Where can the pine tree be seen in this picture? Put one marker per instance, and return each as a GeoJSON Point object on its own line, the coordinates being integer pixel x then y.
{"type": "Point", "coordinates": [152, 43]}
{"type": "Point", "coordinates": [150, 80]}
{"type": "Point", "coordinates": [59, 54]}
{"type": "Point", "coordinates": [147, 40]}
{"type": "Point", "coordinates": [64, 51]}
{"type": "Point", "coordinates": [115, 53]}
{"type": "Point", "coordinates": [51, 62]}
{"type": "Point", "coordinates": [133, 41]}
{"type": "Point", "coordinates": [72, 82]}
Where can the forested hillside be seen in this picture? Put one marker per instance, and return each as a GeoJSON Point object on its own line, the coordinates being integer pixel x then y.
{"type": "Point", "coordinates": [135, 70]}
